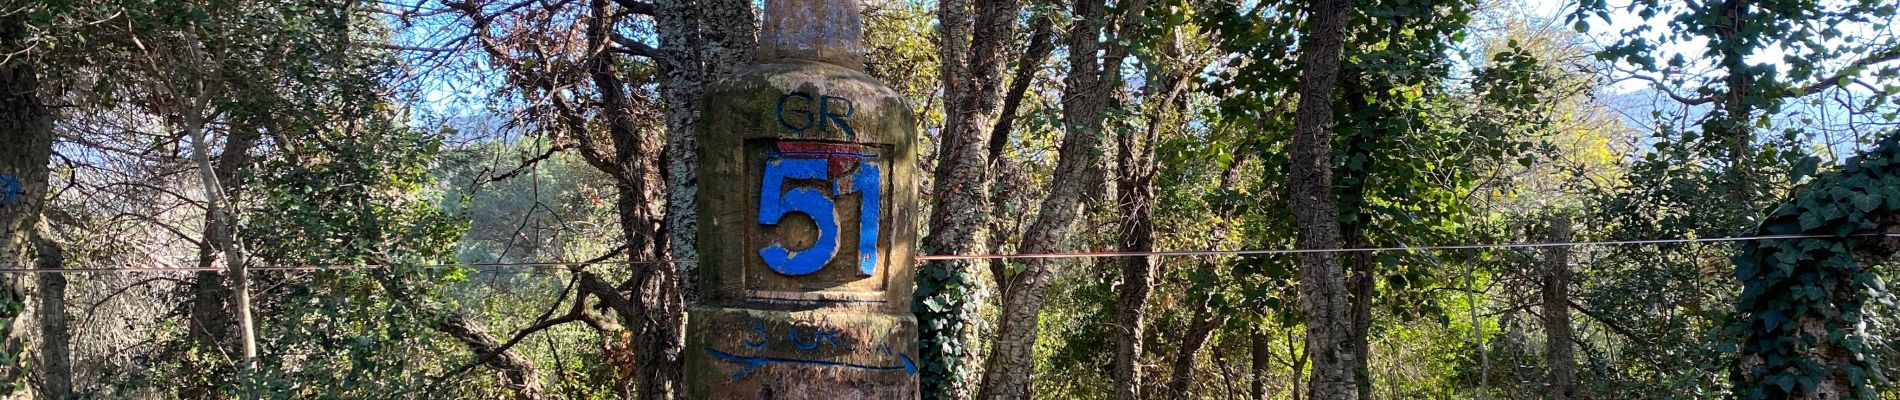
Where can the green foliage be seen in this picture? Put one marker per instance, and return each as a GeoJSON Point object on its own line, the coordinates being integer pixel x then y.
{"type": "Point", "coordinates": [945, 299]}
{"type": "Point", "coordinates": [1803, 311]}
{"type": "Point", "coordinates": [352, 197]}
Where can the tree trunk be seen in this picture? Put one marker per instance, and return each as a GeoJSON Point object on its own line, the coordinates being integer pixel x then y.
{"type": "Point", "coordinates": [659, 328]}
{"type": "Point", "coordinates": [971, 43]}
{"type": "Point", "coordinates": [1359, 283]}
{"type": "Point", "coordinates": [1089, 85]}
{"type": "Point", "coordinates": [209, 314]}
{"type": "Point", "coordinates": [56, 351]}
{"type": "Point", "coordinates": [1261, 350]}
{"type": "Point", "coordinates": [1557, 347]}
{"type": "Point", "coordinates": [26, 144]}
{"type": "Point", "coordinates": [728, 37]}
{"type": "Point", "coordinates": [1354, 225]}
{"type": "Point", "coordinates": [1041, 44]}
{"type": "Point", "coordinates": [1200, 325]}
{"type": "Point", "coordinates": [1298, 364]}
{"type": "Point", "coordinates": [1736, 123]}
{"type": "Point", "coordinates": [1322, 294]}
{"type": "Point", "coordinates": [223, 230]}
{"type": "Point", "coordinates": [517, 373]}
{"type": "Point", "coordinates": [1137, 208]}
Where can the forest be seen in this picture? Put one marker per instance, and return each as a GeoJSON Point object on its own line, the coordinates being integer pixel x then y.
{"type": "Point", "coordinates": [1300, 199]}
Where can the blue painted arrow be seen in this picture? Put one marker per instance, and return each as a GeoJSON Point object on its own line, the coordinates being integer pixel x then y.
{"type": "Point", "coordinates": [754, 362]}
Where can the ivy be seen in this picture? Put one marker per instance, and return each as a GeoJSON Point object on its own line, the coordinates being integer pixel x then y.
{"type": "Point", "coordinates": [946, 298]}
{"type": "Point", "coordinates": [1803, 307]}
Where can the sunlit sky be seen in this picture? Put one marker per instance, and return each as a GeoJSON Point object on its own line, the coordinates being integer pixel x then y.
{"type": "Point", "coordinates": [468, 94]}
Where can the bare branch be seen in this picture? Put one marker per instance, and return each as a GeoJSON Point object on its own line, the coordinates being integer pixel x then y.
{"type": "Point", "coordinates": [1672, 94]}
{"type": "Point", "coordinates": [529, 163]}
{"type": "Point", "coordinates": [1850, 71]}
{"type": "Point", "coordinates": [1606, 321]}
{"type": "Point", "coordinates": [629, 46]}
{"type": "Point", "coordinates": [636, 6]}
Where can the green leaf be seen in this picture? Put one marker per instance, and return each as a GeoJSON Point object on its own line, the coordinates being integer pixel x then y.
{"type": "Point", "coordinates": [1811, 220]}
{"type": "Point", "coordinates": [1867, 202]}
{"type": "Point", "coordinates": [1804, 168]}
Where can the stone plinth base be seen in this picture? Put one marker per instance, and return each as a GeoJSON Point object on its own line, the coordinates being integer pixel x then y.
{"type": "Point", "coordinates": [826, 353]}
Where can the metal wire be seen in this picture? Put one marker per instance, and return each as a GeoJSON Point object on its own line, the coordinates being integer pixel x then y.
{"type": "Point", "coordinates": [1376, 249]}
{"type": "Point", "coordinates": [944, 257]}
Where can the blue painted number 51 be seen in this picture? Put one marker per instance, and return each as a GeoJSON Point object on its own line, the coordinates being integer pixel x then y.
{"type": "Point", "coordinates": [775, 203]}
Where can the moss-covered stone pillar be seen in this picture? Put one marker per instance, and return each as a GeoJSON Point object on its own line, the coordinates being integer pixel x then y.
{"type": "Point", "coordinates": [807, 221]}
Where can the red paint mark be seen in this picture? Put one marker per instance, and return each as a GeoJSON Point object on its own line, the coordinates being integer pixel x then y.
{"type": "Point", "coordinates": [840, 157]}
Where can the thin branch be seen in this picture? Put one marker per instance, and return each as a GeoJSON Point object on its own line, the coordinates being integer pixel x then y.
{"type": "Point", "coordinates": [1606, 321]}
{"type": "Point", "coordinates": [529, 163]}
{"type": "Point", "coordinates": [625, 45]}
{"type": "Point", "coordinates": [1672, 94]}
{"type": "Point", "coordinates": [636, 6]}
{"type": "Point", "coordinates": [1850, 71]}
{"type": "Point", "coordinates": [544, 323]}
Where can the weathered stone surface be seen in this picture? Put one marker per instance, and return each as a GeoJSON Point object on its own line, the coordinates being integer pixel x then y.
{"type": "Point", "coordinates": [828, 31]}
{"type": "Point", "coordinates": [808, 193]}
{"type": "Point", "coordinates": [819, 354]}
{"type": "Point", "coordinates": [743, 125]}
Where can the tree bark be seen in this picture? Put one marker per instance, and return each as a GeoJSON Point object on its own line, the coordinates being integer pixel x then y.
{"type": "Point", "coordinates": [1323, 294]}
{"type": "Point", "coordinates": [657, 288]}
{"type": "Point", "coordinates": [1201, 325]}
{"type": "Point", "coordinates": [209, 313]}
{"type": "Point", "coordinates": [1089, 85]}
{"type": "Point", "coordinates": [1137, 207]}
{"type": "Point", "coordinates": [1560, 385]}
{"type": "Point", "coordinates": [727, 37]}
{"type": "Point", "coordinates": [517, 373]}
{"type": "Point", "coordinates": [971, 42]}
{"type": "Point", "coordinates": [1359, 283]}
{"type": "Point", "coordinates": [26, 144]}
{"type": "Point", "coordinates": [1261, 350]}
{"type": "Point", "coordinates": [1041, 44]}
{"type": "Point", "coordinates": [1137, 235]}
{"type": "Point", "coordinates": [223, 232]}
{"type": "Point", "coordinates": [56, 351]}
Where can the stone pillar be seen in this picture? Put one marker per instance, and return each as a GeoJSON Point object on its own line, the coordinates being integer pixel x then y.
{"type": "Point", "coordinates": [808, 207]}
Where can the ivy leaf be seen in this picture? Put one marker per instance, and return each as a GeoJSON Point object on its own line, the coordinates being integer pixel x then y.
{"type": "Point", "coordinates": [1867, 202]}
{"type": "Point", "coordinates": [1811, 220]}
{"type": "Point", "coordinates": [1804, 168]}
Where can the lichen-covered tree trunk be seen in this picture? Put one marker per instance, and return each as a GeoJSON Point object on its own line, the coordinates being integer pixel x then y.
{"type": "Point", "coordinates": [26, 143]}
{"type": "Point", "coordinates": [56, 351]}
{"type": "Point", "coordinates": [1322, 289]}
{"type": "Point", "coordinates": [659, 322]}
{"type": "Point", "coordinates": [972, 39]}
{"type": "Point", "coordinates": [1561, 381]}
{"type": "Point", "coordinates": [1095, 57]}
{"type": "Point", "coordinates": [725, 38]}
{"type": "Point", "coordinates": [1137, 235]}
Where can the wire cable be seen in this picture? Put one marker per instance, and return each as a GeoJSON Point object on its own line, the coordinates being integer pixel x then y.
{"type": "Point", "coordinates": [949, 257]}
